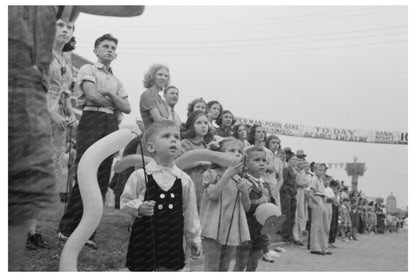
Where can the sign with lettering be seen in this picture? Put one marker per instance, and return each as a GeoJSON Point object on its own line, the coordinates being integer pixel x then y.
{"type": "Point", "coordinates": [328, 133]}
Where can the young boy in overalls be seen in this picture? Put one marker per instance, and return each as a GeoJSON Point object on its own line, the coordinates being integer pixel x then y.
{"type": "Point", "coordinates": [162, 199]}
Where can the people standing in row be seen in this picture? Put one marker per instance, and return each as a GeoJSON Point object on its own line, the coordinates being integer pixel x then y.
{"type": "Point", "coordinates": [319, 216]}
{"type": "Point", "coordinates": [59, 81]}
{"type": "Point", "coordinates": [196, 129]}
{"type": "Point", "coordinates": [152, 106]}
{"type": "Point", "coordinates": [288, 195]}
{"type": "Point", "coordinates": [161, 199]}
{"type": "Point", "coordinates": [247, 257]}
{"type": "Point", "coordinates": [302, 182]}
{"type": "Point", "coordinates": [105, 97]}
{"type": "Point", "coordinates": [223, 209]}
{"type": "Point", "coordinates": [225, 122]}
{"type": "Point", "coordinates": [171, 96]}
{"type": "Point", "coordinates": [333, 230]}
{"type": "Point", "coordinates": [214, 111]}
{"type": "Point", "coordinates": [240, 132]}
{"type": "Point", "coordinates": [198, 104]}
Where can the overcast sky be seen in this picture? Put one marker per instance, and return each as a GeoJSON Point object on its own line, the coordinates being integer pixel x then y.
{"type": "Point", "coordinates": [339, 66]}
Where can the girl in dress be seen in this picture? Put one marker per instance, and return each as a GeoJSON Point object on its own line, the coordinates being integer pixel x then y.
{"type": "Point", "coordinates": [223, 210]}
{"type": "Point", "coordinates": [195, 131]}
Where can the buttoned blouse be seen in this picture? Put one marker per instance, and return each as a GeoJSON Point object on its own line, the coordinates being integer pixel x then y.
{"type": "Point", "coordinates": [104, 81]}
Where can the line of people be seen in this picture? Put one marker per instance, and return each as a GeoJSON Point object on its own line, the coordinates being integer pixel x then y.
{"type": "Point", "coordinates": [208, 208]}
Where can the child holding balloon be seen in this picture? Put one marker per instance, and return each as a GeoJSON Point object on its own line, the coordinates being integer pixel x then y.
{"type": "Point", "coordinates": [223, 209]}
{"type": "Point", "coordinates": [161, 197]}
{"type": "Point", "coordinates": [247, 256]}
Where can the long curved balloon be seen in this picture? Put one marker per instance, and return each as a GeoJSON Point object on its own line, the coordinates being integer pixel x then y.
{"type": "Point", "coordinates": [185, 161]}
{"type": "Point", "coordinates": [133, 160]}
{"type": "Point", "coordinates": [91, 195]}
{"type": "Point", "coordinates": [188, 159]}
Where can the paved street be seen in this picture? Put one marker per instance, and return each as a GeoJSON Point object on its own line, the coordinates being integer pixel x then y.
{"type": "Point", "coordinates": [386, 252]}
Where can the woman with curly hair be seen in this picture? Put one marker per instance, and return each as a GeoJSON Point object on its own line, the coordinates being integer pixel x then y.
{"type": "Point", "coordinates": [152, 106]}
{"type": "Point", "coordinates": [214, 111]}
{"type": "Point", "coordinates": [198, 104]}
{"type": "Point", "coordinates": [226, 122]}
{"type": "Point", "coordinates": [240, 132]}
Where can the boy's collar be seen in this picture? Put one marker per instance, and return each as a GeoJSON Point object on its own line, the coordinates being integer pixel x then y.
{"type": "Point", "coordinates": [254, 178]}
{"type": "Point", "coordinates": [153, 167]}
{"type": "Point", "coordinates": [100, 65]}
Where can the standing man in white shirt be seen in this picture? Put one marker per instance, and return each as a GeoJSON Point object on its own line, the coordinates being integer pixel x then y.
{"type": "Point", "coordinates": [171, 96]}
{"type": "Point", "coordinates": [105, 99]}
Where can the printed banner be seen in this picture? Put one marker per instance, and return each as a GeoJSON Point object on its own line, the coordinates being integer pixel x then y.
{"type": "Point", "coordinates": [329, 133]}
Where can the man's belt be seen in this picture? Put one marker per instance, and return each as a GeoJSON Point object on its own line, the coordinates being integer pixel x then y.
{"type": "Point", "coordinates": [98, 109]}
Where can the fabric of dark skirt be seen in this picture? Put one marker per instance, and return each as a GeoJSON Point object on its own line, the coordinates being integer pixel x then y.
{"type": "Point", "coordinates": [157, 241]}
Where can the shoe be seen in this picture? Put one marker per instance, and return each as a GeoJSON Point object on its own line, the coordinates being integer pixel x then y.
{"type": "Point", "coordinates": [331, 245]}
{"type": "Point", "coordinates": [274, 254]}
{"type": "Point", "coordinates": [297, 242]}
{"type": "Point", "coordinates": [279, 250]}
{"type": "Point", "coordinates": [91, 244]}
{"type": "Point", "coordinates": [267, 258]}
{"type": "Point", "coordinates": [318, 252]}
{"type": "Point", "coordinates": [354, 238]}
{"type": "Point", "coordinates": [287, 240]}
{"type": "Point", "coordinates": [328, 253]}
{"type": "Point", "coordinates": [36, 241]}
{"type": "Point", "coordinates": [30, 243]}
{"type": "Point", "coordinates": [62, 237]}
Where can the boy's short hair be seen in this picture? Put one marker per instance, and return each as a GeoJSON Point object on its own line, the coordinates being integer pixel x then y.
{"type": "Point", "coordinates": [105, 37]}
{"type": "Point", "coordinates": [233, 140]}
{"type": "Point", "coordinates": [248, 151]}
{"type": "Point", "coordinates": [156, 127]}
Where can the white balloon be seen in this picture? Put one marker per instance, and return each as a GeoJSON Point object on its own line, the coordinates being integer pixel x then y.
{"type": "Point", "coordinates": [91, 196]}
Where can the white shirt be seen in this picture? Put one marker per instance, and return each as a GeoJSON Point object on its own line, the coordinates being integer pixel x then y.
{"type": "Point", "coordinates": [133, 195]}
{"type": "Point", "coordinates": [257, 181]}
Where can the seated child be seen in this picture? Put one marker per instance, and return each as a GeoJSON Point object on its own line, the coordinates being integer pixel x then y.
{"type": "Point", "coordinates": [247, 256]}
{"type": "Point", "coordinates": [162, 199]}
{"type": "Point", "coordinates": [223, 210]}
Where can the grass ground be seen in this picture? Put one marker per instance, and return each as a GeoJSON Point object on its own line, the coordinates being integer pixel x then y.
{"type": "Point", "coordinates": [112, 238]}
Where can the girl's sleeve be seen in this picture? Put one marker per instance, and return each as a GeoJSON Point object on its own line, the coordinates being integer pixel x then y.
{"type": "Point", "coordinates": [209, 178]}
{"type": "Point", "coordinates": [186, 146]}
{"type": "Point", "coordinates": [133, 194]}
{"type": "Point", "coordinates": [192, 226]}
